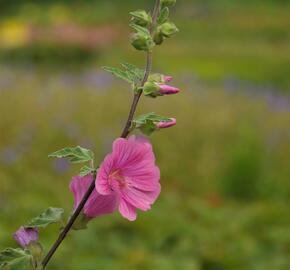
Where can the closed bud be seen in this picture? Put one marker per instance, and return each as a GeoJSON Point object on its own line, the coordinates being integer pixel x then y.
{"type": "Point", "coordinates": [158, 38]}
{"type": "Point", "coordinates": [168, 3]}
{"type": "Point", "coordinates": [165, 89]}
{"type": "Point", "coordinates": [168, 29]}
{"type": "Point", "coordinates": [154, 89]}
{"type": "Point", "coordinates": [159, 78]}
{"type": "Point", "coordinates": [142, 42]}
{"type": "Point", "coordinates": [166, 124]}
{"type": "Point", "coordinates": [25, 236]}
{"type": "Point", "coordinates": [141, 17]}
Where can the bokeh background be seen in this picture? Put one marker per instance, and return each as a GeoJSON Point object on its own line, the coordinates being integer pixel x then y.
{"type": "Point", "coordinates": [225, 166]}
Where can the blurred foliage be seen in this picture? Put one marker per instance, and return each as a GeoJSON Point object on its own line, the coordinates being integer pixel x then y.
{"type": "Point", "coordinates": [225, 166]}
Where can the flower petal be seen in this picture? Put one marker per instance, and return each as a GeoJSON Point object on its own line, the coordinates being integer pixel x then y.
{"type": "Point", "coordinates": [127, 210]}
{"type": "Point", "coordinates": [100, 204]}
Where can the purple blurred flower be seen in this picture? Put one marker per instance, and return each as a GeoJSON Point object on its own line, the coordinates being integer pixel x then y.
{"type": "Point", "coordinates": [25, 236]}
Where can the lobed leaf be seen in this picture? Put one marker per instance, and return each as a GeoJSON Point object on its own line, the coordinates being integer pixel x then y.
{"type": "Point", "coordinates": [119, 73]}
{"type": "Point", "coordinates": [74, 154]}
{"type": "Point", "coordinates": [85, 170]}
{"type": "Point", "coordinates": [49, 216]}
{"type": "Point", "coordinates": [14, 259]}
{"type": "Point", "coordinates": [135, 72]}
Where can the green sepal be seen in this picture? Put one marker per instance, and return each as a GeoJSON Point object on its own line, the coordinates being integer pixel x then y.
{"type": "Point", "coordinates": [151, 89]}
{"type": "Point", "coordinates": [81, 222]}
{"type": "Point", "coordinates": [163, 16]}
{"type": "Point", "coordinates": [141, 18]}
{"type": "Point", "coordinates": [168, 3]}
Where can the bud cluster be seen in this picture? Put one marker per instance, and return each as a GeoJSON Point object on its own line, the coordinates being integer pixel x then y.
{"type": "Point", "coordinates": [141, 20]}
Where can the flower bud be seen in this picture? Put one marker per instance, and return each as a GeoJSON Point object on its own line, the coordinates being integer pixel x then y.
{"type": "Point", "coordinates": [25, 236]}
{"type": "Point", "coordinates": [165, 89]}
{"type": "Point", "coordinates": [168, 29]}
{"type": "Point", "coordinates": [154, 89]}
{"type": "Point", "coordinates": [167, 78]}
{"type": "Point", "coordinates": [141, 17]}
{"type": "Point", "coordinates": [168, 3]}
{"type": "Point", "coordinates": [142, 42]}
{"type": "Point", "coordinates": [159, 78]}
{"type": "Point", "coordinates": [166, 124]}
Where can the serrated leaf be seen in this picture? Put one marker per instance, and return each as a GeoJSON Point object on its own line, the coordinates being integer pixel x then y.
{"type": "Point", "coordinates": [49, 216]}
{"type": "Point", "coordinates": [14, 259]}
{"type": "Point", "coordinates": [163, 17]}
{"type": "Point", "coordinates": [85, 170]}
{"type": "Point", "coordinates": [136, 73]}
{"type": "Point", "coordinates": [140, 29]}
{"type": "Point", "coordinates": [74, 154]}
{"type": "Point", "coordinates": [119, 73]}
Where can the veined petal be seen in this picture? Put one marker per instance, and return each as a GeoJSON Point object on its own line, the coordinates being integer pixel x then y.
{"type": "Point", "coordinates": [127, 210]}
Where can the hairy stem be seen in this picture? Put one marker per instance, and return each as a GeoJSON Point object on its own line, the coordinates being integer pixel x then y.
{"type": "Point", "coordinates": [124, 134]}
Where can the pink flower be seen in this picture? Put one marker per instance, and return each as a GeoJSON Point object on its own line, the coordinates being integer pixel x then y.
{"type": "Point", "coordinates": [25, 236]}
{"type": "Point", "coordinates": [97, 204]}
{"type": "Point", "coordinates": [130, 174]}
{"type": "Point", "coordinates": [165, 89]}
{"type": "Point", "coordinates": [166, 124]}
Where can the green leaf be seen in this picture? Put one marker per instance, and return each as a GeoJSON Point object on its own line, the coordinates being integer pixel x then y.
{"type": "Point", "coordinates": [74, 154]}
{"type": "Point", "coordinates": [85, 170]}
{"type": "Point", "coordinates": [14, 259]}
{"type": "Point", "coordinates": [135, 72]}
{"type": "Point", "coordinates": [163, 17]}
{"type": "Point", "coordinates": [119, 73]}
{"type": "Point", "coordinates": [147, 122]}
{"type": "Point", "coordinates": [49, 216]}
{"type": "Point", "coordinates": [140, 29]}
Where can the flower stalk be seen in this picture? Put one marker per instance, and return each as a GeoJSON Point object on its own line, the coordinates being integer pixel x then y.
{"type": "Point", "coordinates": [124, 134]}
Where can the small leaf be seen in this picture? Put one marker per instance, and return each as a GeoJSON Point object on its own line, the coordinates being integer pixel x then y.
{"type": "Point", "coordinates": [85, 170]}
{"type": "Point", "coordinates": [51, 215]}
{"type": "Point", "coordinates": [119, 73]}
{"type": "Point", "coordinates": [163, 17]}
{"type": "Point", "coordinates": [140, 29]}
{"type": "Point", "coordinates": [14, 259]}
{"type": "Point", "coordinates": [74, 154]}
{"type": "Point", "coordinates": [136, 73]}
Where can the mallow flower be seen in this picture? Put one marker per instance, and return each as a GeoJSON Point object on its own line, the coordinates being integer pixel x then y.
{"type": "Point", "coordinates": [97, 204]}
{"type": "Point", "coordinates": [25, 236]}
{"type": "Point", "coordinates": [129, 173]}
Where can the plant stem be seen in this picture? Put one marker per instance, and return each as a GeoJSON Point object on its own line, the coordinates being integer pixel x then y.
{"type": "Point", "coordinates": [70, 223]}
{"type": "Point", "coordinates": [148, 68]}
{"type": "Point", "coordinates": [124, 134]}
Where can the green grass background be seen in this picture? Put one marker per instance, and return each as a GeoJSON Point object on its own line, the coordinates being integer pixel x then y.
{"type": "Point", "coordinates": [225, 167]}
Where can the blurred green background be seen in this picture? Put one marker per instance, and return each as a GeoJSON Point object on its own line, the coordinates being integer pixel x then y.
{"type": "Point", "coordinates": [225, 167]}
